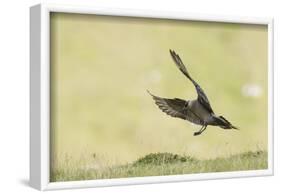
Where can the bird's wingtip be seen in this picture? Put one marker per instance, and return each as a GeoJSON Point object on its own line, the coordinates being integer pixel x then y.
{"type": "Point", "coordinates": [150, 94]}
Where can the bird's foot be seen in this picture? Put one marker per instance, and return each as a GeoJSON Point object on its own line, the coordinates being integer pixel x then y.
{"type": "Point", "coordinates": [197, 133]}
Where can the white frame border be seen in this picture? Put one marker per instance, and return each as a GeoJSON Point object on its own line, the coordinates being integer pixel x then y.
{"type": "Point", "coordinates": [40, 96]}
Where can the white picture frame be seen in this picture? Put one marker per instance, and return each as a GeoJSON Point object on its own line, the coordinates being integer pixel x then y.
{"type": "Point", "coordinates": [40, 96]}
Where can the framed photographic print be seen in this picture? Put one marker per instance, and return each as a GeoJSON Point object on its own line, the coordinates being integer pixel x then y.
{"type": "Point", "coordinates": [134, 96]}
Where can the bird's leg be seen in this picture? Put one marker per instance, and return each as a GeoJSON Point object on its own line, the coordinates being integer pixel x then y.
{"type": "Point", "coordinates": [200, 131]}
{"type": "Point", "coordinates": [203, 129]}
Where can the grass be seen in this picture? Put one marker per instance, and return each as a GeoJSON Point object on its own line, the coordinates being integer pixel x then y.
{"type": "Point", "coordinates": [157, 164]}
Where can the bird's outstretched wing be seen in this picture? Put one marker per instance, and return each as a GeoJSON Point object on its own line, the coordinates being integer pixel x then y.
{"type": "Point", "coordinates": [202, 98]}
{"type": "Point", "coordinates": [176, 108]}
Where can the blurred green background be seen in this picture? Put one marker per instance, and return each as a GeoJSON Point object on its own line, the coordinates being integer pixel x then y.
{"type": "Point", "coordinates": [101, 67]}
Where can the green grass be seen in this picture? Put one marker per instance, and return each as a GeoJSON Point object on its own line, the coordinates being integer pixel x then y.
{"type": "Point", "coordinates": [157, 164]}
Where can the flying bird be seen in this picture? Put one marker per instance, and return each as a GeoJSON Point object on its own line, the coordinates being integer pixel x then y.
{"type": "Point", "coordinates": [197, 111]}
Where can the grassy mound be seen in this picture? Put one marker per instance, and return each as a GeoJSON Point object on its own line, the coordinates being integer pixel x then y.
{"type": "Point", "coordinates": [162, 158]}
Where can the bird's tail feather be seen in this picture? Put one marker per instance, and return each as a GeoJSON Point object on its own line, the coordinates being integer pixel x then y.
{"type": "Point", "coordinates": [223, 123]}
